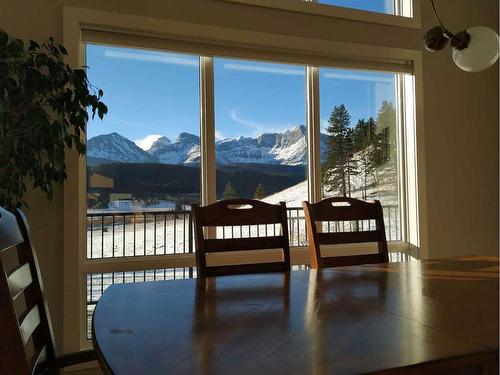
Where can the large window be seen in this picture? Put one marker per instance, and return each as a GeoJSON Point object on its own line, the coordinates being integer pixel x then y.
{"type": "Point", "coordinates": [349, 9]}
{"type": "Point", "coordinates": [143, 159]}
{"type": "Point", "coordinates": [379, 6]}
{"type": "Point", "coordinates": [152, 155]}
{"type": "Point", "coordinates": [261, 137]}
{"type": "Point", "coordinates": [358, 122]}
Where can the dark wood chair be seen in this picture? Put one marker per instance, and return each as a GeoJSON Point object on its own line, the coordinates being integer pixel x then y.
{"type": "Point", "coordinates": [26, 339]}
{"type": "Point", "coordinates": [354, 211]}
{"type": "Point", "coordinates": [240, 212]}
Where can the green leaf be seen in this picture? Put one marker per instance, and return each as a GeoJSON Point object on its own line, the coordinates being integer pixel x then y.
{"type": "Point", "coordinates": [40, 60]}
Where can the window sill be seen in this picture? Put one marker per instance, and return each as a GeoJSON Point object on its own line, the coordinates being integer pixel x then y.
{"type": "Point", "coordinates": [339, 12]}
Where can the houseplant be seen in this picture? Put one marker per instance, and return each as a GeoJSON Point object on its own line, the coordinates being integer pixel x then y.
{"type": "Point", "coordinates": [44, 108]}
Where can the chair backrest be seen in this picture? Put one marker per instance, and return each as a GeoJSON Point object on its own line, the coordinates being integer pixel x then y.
{"type": "Point", "coordinates": [241, 213]}
{"type": "Point", "coordinates": [358, 214]}
{"type": "Point", "coordinates": [26, 339]}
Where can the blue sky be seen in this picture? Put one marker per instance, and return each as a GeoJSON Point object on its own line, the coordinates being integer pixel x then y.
{"type": "Point", "coordinates": [151, 93]}
{"type": "Point", "coordinates": [383, 6]}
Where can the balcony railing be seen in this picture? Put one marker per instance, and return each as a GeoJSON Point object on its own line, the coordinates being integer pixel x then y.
{"type": "Point", "coordinates": [113, 234]}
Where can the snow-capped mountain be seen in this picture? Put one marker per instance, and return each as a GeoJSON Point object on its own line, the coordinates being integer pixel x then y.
{"type": "Point", "coordinates": [185, 150]}
{"type": "Point", "coordinates": [287, 148]}
{"type": "Point", "coordinates": [115, 147]}
{"type": "Point", "coordinates": [159, 143]}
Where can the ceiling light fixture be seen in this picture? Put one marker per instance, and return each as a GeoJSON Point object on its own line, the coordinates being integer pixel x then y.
{"type": "Point", "coordinates": [474, 49]}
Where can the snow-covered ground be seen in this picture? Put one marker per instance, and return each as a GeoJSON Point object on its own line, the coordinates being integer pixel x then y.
{"type": "Point", "coordinates": [381, 185]}
{"type": "Point", "coordinates": [292, 196]}
{"type": "Point", "coordinates": [131, 234]}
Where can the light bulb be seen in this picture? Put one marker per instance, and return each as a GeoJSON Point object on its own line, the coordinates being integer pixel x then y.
{"type": "Point", "coordinates": [481, 52]}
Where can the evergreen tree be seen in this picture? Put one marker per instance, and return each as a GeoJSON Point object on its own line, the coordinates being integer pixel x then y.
{"type": "Point", "coordinates": [351, 166]}
{"type": "Point", "coordinates": [385, 142]}
{"type": "Point", "coordinates": [229, 192]}
{"type": "Point", "coordinates": [366, 166]}
{"type": "Point", "coordinates": [364, 134]}
{"type": "Point", "coordinates": [364, 139]}
{"type": "Point", "coordinates": [339, 149]}
{"type": "Point", "coordinates": [359, 135]}
{"type": "Point", "coordinates": [260, 193]}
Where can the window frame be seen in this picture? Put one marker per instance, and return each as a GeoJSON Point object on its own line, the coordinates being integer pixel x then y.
{"type": "Point", "coordinates": [407, 11]}
{"type": "Point", "coordinates": [76, 266]}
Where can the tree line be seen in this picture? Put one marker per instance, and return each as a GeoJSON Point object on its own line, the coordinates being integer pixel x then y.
{"type": "Point", "coordinates": [357, 150]}
{"type": "Point", "coordinates": [230, 192]}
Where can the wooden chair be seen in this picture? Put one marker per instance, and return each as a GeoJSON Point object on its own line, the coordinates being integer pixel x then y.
{"type": "Point", "coordinates": [341, 210]}
{"type": "Point", "coordinates": [240, 212]}
{"type": "Point", "coordinates": [26, 339]}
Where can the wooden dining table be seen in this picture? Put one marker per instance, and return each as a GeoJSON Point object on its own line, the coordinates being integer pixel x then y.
{"type": "Point", "coordinates": [433, 316]}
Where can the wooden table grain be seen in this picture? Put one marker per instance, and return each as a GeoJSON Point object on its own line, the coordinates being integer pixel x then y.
{"type": "Point", "coordinates": [411, 317]}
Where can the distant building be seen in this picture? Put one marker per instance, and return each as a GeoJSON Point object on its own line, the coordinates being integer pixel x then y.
{"type": "Point", "coordinates": [98, 190]}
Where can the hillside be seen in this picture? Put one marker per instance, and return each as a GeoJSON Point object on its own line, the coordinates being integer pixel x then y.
{"type": "Point", "coordinates": [380, 186]}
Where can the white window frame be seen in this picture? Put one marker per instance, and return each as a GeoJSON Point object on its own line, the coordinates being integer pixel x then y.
{"type": "Point", "coordinates": [76, 266]}
{"type": "Point", "coordinates": [407, 11]}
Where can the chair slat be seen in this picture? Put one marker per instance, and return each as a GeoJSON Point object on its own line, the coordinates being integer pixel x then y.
{"type": "Point", "coordinates": [20, 279]}
{"type": "Point", "coordinates": [29, 323]}
{"type": "Point", "coordinates": [347, 214]}
{"type": "Point", "coordinates": [348, 237]}
{"type": "Point", "coordinates": [344, 209]}
{"type": "Point", "coordinates": [259, 243]}
{"type": "Point", "coordinates": [38, 358]}
{"type": "Point", "coordinates": [225, 213]}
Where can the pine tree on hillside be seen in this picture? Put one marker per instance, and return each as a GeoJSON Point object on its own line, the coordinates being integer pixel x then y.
{"type": "Point", "coordinates": [359, 136]}
{"type": "Point", "coordinates": [364, 134]}
{"type": "Point", "coordinates": [366, 167]}
{"type": "Point", "coordinates": [229, 192]}
{"type": "Point", "coordinates": [385, 143]}
{"type": "Point", "coordinates": [260, 193]}
{"type": "Point", "coordinates": [364, 139]}
{"type": "Point", "coordinates": [338, 152]}
{"type": "Point", "coordinates": [370, 132]}
{"type": "Point", "coordinates": [351, 166]}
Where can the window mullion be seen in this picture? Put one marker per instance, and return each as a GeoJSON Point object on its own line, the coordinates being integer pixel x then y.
{"type": "Point", "coordinates": [207, 131]}
{"type": "Point", "coordinates": [313, 134]}
{"type": "Point", "coordinates": [401, 155]}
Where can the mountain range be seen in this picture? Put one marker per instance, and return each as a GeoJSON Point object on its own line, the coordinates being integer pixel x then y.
{"type": "Point", "coordinates": [285, 148]}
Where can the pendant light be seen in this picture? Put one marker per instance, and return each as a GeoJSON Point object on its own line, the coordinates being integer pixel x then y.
{"type": "Point", "coordinates": [473, 49]}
